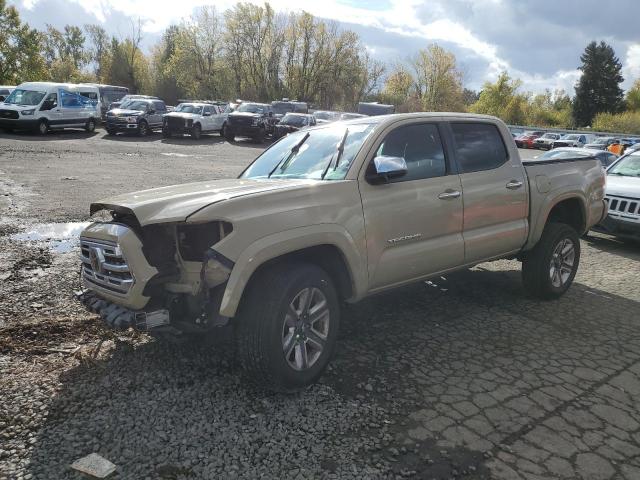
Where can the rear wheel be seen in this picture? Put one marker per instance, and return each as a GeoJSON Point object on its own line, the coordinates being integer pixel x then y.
{"type": "Point", "coordinates": [259, 138]}
{"type": "Point", "coordinates": [228, 134]}
{"type": "Point", "coordinates": [196, 131]}
{"type": "Point", "coordinates": [166, 133]}
{"type": "Point", "coordinates": [90, 126]}
{"type": "Point", "coordinates": [223, 130]}
{"type": "Point", "coordinates": [111, 131]}
{"type": "Point", "coordinates": [43, 127]}
{"type": "Point", "coordinates": [287, 326]}
{"type": "Point", "coordinates": [143, 129]}
{"type": "Point", "coordinates": [549, 268]}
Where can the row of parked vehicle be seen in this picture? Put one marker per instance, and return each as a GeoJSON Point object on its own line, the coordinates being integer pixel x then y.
{"type": "Point", "coordinates": [549, 140]}
{"type": "Point", "coordinates": [43, 106]}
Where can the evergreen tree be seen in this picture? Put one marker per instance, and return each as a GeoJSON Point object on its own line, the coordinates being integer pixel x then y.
{"type": "Point", "coordinates": [598, 90]}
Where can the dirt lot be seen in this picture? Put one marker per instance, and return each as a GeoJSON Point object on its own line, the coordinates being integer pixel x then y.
{"type": "Point", "coordinates": [460, 377]}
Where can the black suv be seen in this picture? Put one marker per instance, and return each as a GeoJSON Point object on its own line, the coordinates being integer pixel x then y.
{"type": "Point", "coordinates": [141, 116]}
{"type": "Point", "coordinates": [253, 120]}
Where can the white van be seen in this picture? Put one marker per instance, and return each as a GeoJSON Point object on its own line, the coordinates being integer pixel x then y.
{"type": "Point", "coordinates": [44, 106]}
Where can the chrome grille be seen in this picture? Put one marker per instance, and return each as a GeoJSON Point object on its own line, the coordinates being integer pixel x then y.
{"type": "Point", "coordinates": [104, 266]}
{"type": "Point", "coordinates": [624, 208]}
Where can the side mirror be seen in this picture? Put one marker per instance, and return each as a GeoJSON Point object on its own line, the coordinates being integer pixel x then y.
{"type": "Point", "coordinates": [206, 114]}
{"type": "Point", "coordinates": [387, 168]}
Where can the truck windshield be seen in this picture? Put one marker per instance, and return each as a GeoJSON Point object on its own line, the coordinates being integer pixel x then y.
{"type": "Point", "coordinates": [135, 105]}
{"type": "Point", "coordinates": [25, 97]}
{"type": "Point", "coordinates": [313, 155]}
{"type": "Point", "coordinates": [251, 108]}
{"type": "Point", "coordinates": [627, 167]}
{"type": "Point", "coordinates": [282, 108]}
{"type": "Point", "coordinates": [186, 108]}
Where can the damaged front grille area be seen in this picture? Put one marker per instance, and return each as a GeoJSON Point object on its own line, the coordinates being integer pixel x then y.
{"type": "Point", "coordinates": [104, 266]}
{"type": "Point", "coordinates": [121, 318]}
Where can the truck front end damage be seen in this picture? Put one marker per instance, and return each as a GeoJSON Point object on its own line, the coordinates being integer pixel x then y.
{"type": "Point", "coordinates": [159, 277]}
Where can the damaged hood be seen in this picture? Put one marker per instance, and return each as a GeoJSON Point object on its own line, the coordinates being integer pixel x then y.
{"type": "Point", "coordinates": [175, 203]}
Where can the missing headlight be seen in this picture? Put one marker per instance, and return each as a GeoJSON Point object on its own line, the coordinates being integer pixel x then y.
{"type": "Point", "coordinates": [194, 239]}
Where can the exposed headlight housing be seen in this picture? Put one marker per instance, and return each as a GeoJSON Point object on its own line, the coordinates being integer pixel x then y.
{"type": "Point", "coordinates": [28, 112]}
{"type": "Point", "coordinates": [132, 119]}
{"type": "Point", "coordinates": [255, 122]}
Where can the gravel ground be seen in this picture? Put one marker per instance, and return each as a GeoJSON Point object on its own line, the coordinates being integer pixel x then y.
{"type": "Point", "coordinates": [460, 377]}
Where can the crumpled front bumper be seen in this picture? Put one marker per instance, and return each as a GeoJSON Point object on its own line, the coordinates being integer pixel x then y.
{"type": "Point", "coordinates": [119, 317]}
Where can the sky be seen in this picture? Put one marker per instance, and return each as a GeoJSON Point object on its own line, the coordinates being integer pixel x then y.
{"type": "Point", "coordinates": [539, 41]}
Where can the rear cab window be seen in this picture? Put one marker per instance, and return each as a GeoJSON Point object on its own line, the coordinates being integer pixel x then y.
{"type": "Point", "coordinates": [479, 146]}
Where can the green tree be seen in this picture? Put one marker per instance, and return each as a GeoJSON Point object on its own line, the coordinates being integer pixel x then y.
{"type": "Point", "coordinates": [20, 49]}
{"type": "Point", "coordinates": [598, 89]}
{"type": "Point", "coordinates": [97, 54]}
{"type": "Point", "coordinates": [438, 81]}
{"type": "Point", "coordinates": [632, 98]}
{"type": "Point", "coordinates": [502, 100]}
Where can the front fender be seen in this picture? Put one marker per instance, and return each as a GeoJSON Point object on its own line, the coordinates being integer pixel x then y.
{"type": "Point", "coordinates": [288, 241]}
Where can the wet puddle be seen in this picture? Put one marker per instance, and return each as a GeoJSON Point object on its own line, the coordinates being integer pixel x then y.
{"type": "Point", "coordinates": [59, 237]}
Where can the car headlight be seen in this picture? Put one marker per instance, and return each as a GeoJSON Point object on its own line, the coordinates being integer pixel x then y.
{"type": "Point", "coordinates": [28, 112]}
{"type": "Point", "coordinates": [132, 119]}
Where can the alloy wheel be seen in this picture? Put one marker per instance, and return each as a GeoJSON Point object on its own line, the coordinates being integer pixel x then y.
{"type": "Point", "coordinates": [562, 263]}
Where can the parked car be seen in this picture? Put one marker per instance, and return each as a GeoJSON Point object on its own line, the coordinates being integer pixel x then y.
{"type": "Point", "coordinates": [526, 139]}
{"type": "Point", "coordinates": [5, 91]}
{"type": "Point", "coordinates": [107, 95]}
{"type": "Point", "coordinates": [623, 198]}
{"type": "Point", "coordinates": [44, 106]}
{"type": "Point", "coordinates": [292, 122]}
{"type": "Point", "coordinates": [282, 107]}
{"type": "Point", "coordinates": [601, 143]}
{"type": "Point", "coordinates": [325, 116]}
{"type": "Point", "coordinates": [254, 120]}
{"type": "Point", "coordinates": [331, 214]}
{"type": "Point", "coordinates": [196, 119]}
{"type": "Point", "coordinates": [605, 158]}
{"type": "Point", "coordinates": [141, 116]}
{"type": "Point", "coordinates": [126, 98]}
{"type": "Point", "coordinates": [576, 140]}
{"type": "Point", "coordinates": [351, 116]}
{"type": "Point", "coordinates": [545, 142]}
{"type": "Point", "coordinates": [375, 108]}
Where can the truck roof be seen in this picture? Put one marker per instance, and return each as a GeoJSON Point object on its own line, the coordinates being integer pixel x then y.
{"type": "Point", "coordinates": [395, 117]}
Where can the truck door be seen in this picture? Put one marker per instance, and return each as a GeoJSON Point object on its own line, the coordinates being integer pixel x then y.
{"type": "Point", "coordinates": [495, 192]}
{"type": "Point", "coordinates": [50, 109]}
{"type": "Point", "coordinates": [208, 118]}
{"type": "Point", "coordinates": [414, 222]}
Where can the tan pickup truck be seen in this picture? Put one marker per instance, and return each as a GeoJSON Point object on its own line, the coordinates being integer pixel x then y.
{"type": "Point", "coordinates": [333, 214]}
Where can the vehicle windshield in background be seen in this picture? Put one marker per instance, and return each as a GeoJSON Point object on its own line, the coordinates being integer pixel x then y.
{"type": "Point", "coordinates": [553, 136]}
{"type": "Point", "coordinates": [307, 154]}
{"type": "Point", "coordinates": [282, 108]}
{"type": "Point", "coordinates": [251, 108]}
{"type": "Point", "coordinates": [601, 141]}
{"type": "Point", "coordinates": [25, 97]}
{"type": "Point", "coordinates": [627, 167]}
{"type": "Point", "coordinates": [135, 105]}
{"type": "Point", "coordinates": [571, 137]}
{"type": "Point", "coordinates": [294, 120]}
{"type": "Point", "coordinates": [323, 115]}
{"type": "Point", "coordinates": [187, 108]}
{"type": "Point", "coordinates": [558, 154]}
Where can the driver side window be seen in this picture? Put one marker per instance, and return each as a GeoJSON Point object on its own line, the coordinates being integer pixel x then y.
{"type": "Point", "coordinates": [50, 102]}
{"type": "Point", "coordinates": [420, 146]}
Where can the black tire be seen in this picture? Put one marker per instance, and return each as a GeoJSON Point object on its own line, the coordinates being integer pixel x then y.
{"type": "Point", "coordinates": [43, 127]}
{"type": "Point", "coordinates": [143, 129]}
{"type": "Point", "coordinates": [259, 138]}
{"type": "Point", "coordinates": [7, 130]}
{"type": "Point", "coordinates": [111, 131]}
{"type": "Point", "coordinates": [223, 130]}
{"type": "Point", "coordinates": [261, 328]}
{"type": "Point", "coordinates": [90, 126]}
{"type": "Point", "coordinates": [540, 264]}
{"type": "Point", "coordinates": [196, 131]}
{"type": "Point", "coordinates": [166, 133]}
{"type": "Point", "coordinates": [228, 134]}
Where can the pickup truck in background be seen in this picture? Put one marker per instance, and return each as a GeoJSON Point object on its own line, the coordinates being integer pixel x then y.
{"type": "Point", "coordinates": [195, 118]}
{"type": "Point", "coordinates": [330, 214]}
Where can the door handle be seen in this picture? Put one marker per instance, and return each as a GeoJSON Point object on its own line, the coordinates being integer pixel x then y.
{"type": "Point", "coordinates": [514, 184]}
{"type": "Point", "coordinates": [449, 194]}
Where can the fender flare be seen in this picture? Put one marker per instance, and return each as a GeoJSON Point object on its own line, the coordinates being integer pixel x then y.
{"type": "Point", "coordinates": [281, 243]}
{"type": "Point", "coordinates": [545, 210]}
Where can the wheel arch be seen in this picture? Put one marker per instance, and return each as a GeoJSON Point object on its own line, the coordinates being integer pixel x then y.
{"type": "Point", "coordinates": [333, 251]}
{"type": "Point", "coordinates": [570, 209]}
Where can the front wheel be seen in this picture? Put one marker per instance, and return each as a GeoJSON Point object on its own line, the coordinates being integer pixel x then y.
{"type": "Point", "coordinates": [549, 268]}
{"type": "Point", "coordinates": [223, 130]}
{"type": "Point", "coordinates": [287, 327]}
{"type": "Point", "coordinates": [166, 133]}
{"type": "Point", "coordinates": [143, 129]}
{"type": "Point", "coordinates": [43, 127]}
{"type": "Point", "coordinates": [196, 131]}
{"type": "Point", "coordinates": [90, 127]}
{"type": "Point", "coordinates": [259, 138]}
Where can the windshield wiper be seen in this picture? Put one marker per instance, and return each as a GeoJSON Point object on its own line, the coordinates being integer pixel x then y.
{"type": "Point", "coordinates": [285, 160]}
{"type": "Point", "coordinates": [338, 155]}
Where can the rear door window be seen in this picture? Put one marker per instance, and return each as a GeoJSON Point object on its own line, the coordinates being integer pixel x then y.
{"type": "Point", "coordinates": [479, 146]}
{"type": "Point", "coordinates": [207, 110]}
{"type": "Point", "coordinates": [159, 106]}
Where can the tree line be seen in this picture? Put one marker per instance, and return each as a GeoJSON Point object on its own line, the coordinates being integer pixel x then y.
{"type": "Point", "coordinates": [253, 52]}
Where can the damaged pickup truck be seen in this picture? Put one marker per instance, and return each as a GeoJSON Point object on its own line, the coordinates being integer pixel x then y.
{"type": "Point", "coordinates": [332, 214]}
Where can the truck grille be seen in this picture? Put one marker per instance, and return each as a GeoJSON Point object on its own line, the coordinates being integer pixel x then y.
{"type": "Point", "coordinates": [104, 266]}
{"type": "Point", "coordinates": [624, 208]}
{"type": "Point", "coordinates": [240, 121]}
{"type": "Point", "coordinates": [175, 122]}
{"type": "Point", "coordinates": [9, 114]}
